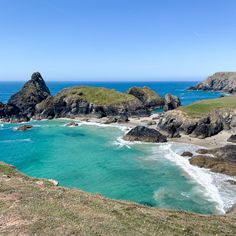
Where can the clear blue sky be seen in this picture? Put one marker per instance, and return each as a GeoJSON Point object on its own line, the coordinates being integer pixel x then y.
{"type": "Point", "coordinates": [116, 39]}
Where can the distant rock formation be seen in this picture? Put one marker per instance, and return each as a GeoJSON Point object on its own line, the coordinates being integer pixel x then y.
{"type": "Point", "coordinates": [144, 134]}
{"type": "Point", "coordinates": [171, 102]}
{"type": "Point", "coordinates": [221, 81]}
{"type": "Point", "coordinates": [223, 160]}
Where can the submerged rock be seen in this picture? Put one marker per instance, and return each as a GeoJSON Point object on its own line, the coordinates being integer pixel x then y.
{"type": "Point", "coordinates": [186, 154]}
{"type": "Point", "coordinates": [72, 124]}
{"type": "Point", "coordinates": [171, 102]}
{"type": "Point", "coordinates": [24, 127]}
{"type": "Point", "coordinates": [221, 160]}
{"type": "Point", "coordinates": [144, 134]}
{"type": "Point", "coordinates": [230, 181]}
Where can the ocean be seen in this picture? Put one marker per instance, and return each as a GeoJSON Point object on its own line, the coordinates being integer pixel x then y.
{"type": "Point", "coordinates": [94, 157]}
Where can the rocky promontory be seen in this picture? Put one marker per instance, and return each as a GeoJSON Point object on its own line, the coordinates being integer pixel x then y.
{"type": "Point", "coordinates": [34, 101]}
{"type": "Point", "coordinates": [221, 81]}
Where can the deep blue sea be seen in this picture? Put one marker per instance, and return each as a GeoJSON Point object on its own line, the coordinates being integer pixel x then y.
{"type": "Point", "coordinates": [94, 157]}
{"type": "Point", "coordinates": [176, 88]}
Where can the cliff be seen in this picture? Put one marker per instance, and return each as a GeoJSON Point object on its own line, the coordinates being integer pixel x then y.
{"type": "Point", "coordinates": [221, 81]}
{"type": "Point", "coordinates": [32, 206]}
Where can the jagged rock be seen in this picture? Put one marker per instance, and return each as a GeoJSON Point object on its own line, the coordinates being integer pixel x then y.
{"type": "Point", "coordinates": [110, 120]}
{"type": "Point", "coordinates": [147, 96]}
{"type": "Point", "coordinates": [171, 102]}
{"type": "Point", "coordinates": [174, 123]}
{"type": "Point", "coordinates": [32, 93]}
{"type": "Point", "coordinates": [232, 138]}
{"type": "Point", "coordinates": [24, 127]}
{"type": "Point", "coordinates": [222, 161]}
{"type": "Point", "coordinates": [221, 81]}
{"type": "Point", "coordinates": [72, 124]}
{"type": "Point", "coordinates": [186, 154]}
{"type": "Point", "coordinates": [144, 134]}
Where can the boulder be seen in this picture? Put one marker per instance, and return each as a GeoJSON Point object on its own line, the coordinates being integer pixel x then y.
{"type": "Point", "coordinates": [232, 138]}
{"type": "Point", "coordinates": [110, 120]}
{"type": "Point", "coordinates": [171, 102]}
{"type": "Point", "coordinates": [144, 134]}
{"type": "Point", "coordinates": [32, 93]}
{"type": "Point", "coordinates": [151, 122]}
{"type": "Point", "coordinates": [186, 154]}
{"type": "Point", "coordinates": [230, 181]}
{"type": "Point", "coordinates": [24, 127]}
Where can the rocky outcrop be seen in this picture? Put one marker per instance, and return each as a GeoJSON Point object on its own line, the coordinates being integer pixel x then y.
{"type": "Point", "coordinates": [232, 138]}
{"type": "Point", "coordinates": [144, 134]}
{"type": "Point", "coordinates": [186, 154]}
{"type": "Point", "coordinates": [221, 81]}
{"type": "Point", "coordinates": [220, 160]}
{"type": "Point", "coordinates": [171, 102]}
{"type": "Point", "coordinates": [147, 96]}
{"type": "Point", "coordinates": [32, 93]}
{"type": "Point", "coordinates": [175, 123]}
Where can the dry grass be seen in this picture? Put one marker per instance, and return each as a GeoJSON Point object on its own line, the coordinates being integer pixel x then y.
{"type": "Point", "coordinates": [29, 208]}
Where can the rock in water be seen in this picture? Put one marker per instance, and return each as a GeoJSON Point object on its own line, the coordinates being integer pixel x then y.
{"type": "Point", "coordinates": [186, 154]}
{"type": "Point", "coordinates": [221, 81]}
{"type": "Point", "coordinates": [144, 134]}
{"type": "Point", "coordinates": [72, 124]}
{"type": "Point", "coordinates": [232, 138]}
{"type": "Point", "coordinates": [24, 127]}
{"type": "Point", "coordinates": [147, 96]}
{"type": "Point", "coordinates": [171, 102]}
{"type": "Point", "coordinates": [32, 93]}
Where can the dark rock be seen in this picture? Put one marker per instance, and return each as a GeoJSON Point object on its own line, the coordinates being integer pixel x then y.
{"type": "Point", "coordinates": [171, 102]}
{"type": "Point", "coordinates": [232, 138]}
{"type": "Point", "coordinates": [202, 151]}
{"type": "Point", "coordinates": [123, 118]}
{"type": "Point", "coordinates": [230, 181]}
{"type": "Point", "coordinates": [24, 127]}
{"type": "Point", "coordinates": [147, 96]}
{"type": "Point", "coordinates": [186, 154]}
{"type": "Point", "coordinates": [72, 124]}
{"type": "Point", "coordinates": [144, 134]}
{"type": "Point", "coordinates": [221, 81]}
{"type": "Point", "coordinates": [32, 93]}
{"type": "Point", "coordinates": [222, 161]}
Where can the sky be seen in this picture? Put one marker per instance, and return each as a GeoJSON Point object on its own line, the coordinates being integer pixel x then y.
{"type": "Point", "coordinates": [122, 40]}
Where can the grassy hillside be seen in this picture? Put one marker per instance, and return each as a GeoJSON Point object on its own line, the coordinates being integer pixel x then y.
{"type": "Point", "coordinates": [35, 207]}
{"type": "Point", "coordinates": [96, 95]}
{"type": "Point", "coordinates": [204, 107]}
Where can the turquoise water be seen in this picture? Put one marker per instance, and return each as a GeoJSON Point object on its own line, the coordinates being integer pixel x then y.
{"type": "Point", "coordinates": [94, 159]}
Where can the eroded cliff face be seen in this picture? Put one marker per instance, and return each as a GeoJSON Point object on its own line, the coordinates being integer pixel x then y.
{"type": "Point", "coordinates": [174, 123]}
{"type": "Point", "coordinates": [221, 81]}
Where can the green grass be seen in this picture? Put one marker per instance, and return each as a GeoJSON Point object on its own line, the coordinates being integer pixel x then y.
{"type": "Point", "coordinates": [96, 95]}
{"type": "Point", "coordinates": [30, 208]}
{"type": "Point", "coordinates": [205, 107]}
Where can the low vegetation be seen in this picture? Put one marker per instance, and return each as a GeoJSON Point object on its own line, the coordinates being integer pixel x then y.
{"type": "Point", "coordinates": [96, 95]}
{"type": "Point", "coordinates": [35, 207]}
{"type": "Point", "coordinates": [205, 107]}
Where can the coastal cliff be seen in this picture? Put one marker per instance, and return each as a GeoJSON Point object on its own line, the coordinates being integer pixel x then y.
{"type": "Point", "coordinates": [221, 81]}
{"type": "Point", "coordinates": [32, 206]}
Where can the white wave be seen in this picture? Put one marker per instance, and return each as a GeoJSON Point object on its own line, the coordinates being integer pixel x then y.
{"type": "Point", "coordinates": [120, 142]}
{"type": "Point", "coordinates": [213, 185]}
{"type": "Point", "coordinates": [15, 140]}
